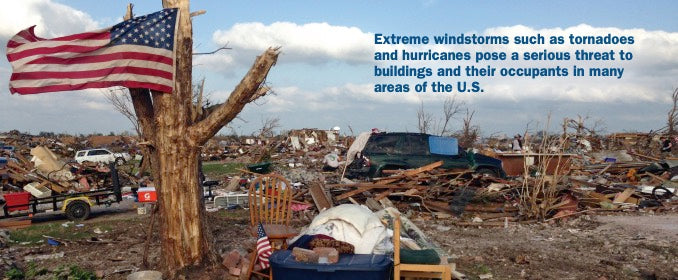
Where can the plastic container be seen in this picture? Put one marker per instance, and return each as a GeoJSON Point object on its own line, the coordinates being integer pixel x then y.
{"type": "Point", "coordinates": [147, 194]}
{"type": "Point", "coordinates": [38, 191]}
{"type": "Point", "coordinates": [14, 199]}
{"type": "Point", "coordinates": [349, 267]}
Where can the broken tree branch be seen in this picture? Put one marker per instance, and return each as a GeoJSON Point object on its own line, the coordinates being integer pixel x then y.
{"type": "Point", "coordinates": [225, 47]}
{"type": "Point", "coordinates": [248, 89]}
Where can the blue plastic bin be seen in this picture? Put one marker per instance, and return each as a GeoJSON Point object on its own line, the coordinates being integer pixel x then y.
{"type": "Point", "coordinates": [349, 267]}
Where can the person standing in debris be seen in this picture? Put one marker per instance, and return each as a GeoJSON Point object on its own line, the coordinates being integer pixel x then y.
{"type": "Point", "coordinates": [517, 143]}
{"type": "Point", "coordinates": [666, 145]}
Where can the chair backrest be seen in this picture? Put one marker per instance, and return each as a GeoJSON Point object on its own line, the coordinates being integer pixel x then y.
{"type": "Point", "coordinates": [270, 198]}
{"type": "Point", "coordinates": [396, 240]}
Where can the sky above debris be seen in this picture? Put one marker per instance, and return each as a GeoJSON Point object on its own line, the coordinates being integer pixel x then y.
{"type": "Point", "coordinates": [324, 76]}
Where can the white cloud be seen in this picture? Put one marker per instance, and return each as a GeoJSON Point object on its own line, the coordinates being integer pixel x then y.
{"type": "Point", "coordinates": [51, 19]}
{"type": "Point", "coordinates": [219, 62]}
{"type": "Point", "coordinates": [312, 96]}
{"type": "Point", "coordinates": [646, 77]}
{"type": "Point", "coordinates": [310, 43]}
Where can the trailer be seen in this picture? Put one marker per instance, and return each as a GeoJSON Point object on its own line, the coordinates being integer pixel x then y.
{"type": "Point", "coordinates": [76, 206]}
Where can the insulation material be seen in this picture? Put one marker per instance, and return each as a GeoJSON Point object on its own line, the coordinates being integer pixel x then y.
{"type": "Point", "coordinates": [354, 224]}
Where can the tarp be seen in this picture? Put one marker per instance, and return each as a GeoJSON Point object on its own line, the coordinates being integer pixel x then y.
{"type": "Point", "coordinates": [443, 145]}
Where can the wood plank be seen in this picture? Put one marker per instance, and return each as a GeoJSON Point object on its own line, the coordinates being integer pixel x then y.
{"type": "Point", "coordinates": [411, 172]}
{"type": "Point", "coordinates": [643, 156]}
{"type": "Point", "coordinates": [15, 224]}
{"type": "Point", "coordinates": [605, 169]}
{"type": "Point", "coordinates": [367, 188]}
{"type": "Point", "coordinates": [623, 196]}
{"type": "Point", "coordinates": [383, 194]}
{"type": "Point", "coordinates": [319, 196]}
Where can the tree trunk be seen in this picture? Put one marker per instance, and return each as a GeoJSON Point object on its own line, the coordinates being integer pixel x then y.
{"type": "Point", "coordinates": [176, 137]}
{"type": "Point", "coordinates": [184, 236]}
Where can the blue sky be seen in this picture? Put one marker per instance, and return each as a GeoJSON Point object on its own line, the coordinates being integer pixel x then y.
{"type": "Point", "coordinates": [324, 75]}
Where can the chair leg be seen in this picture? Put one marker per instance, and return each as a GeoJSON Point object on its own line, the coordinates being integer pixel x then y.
{"type": "Point", "coordinates": [447, 273]}
{"type": "Point", "coordinates": [253, 259]}
{"type": "Point", "coordinates": [396, 273]}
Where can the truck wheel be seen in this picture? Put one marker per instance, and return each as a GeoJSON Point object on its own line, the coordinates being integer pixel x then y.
{"type": "Point", "coordinates": [486, 172]}
{"type": "Point", "coordinates": [119, 161]}
{"type": "Point", "coordinates": [77, 210]}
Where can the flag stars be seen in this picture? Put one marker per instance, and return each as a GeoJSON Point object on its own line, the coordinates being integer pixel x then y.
{"type": "Point", "coordinates": [156, 30]}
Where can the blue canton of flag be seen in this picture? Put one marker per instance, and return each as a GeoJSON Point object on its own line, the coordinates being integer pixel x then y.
{"type": "Point", "coordinates": [153, 30]}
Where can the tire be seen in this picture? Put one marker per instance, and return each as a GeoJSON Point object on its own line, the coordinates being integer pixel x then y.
{"type": "Point", "coordinates": [77, 210]}
{"type": "Point", "coordinates": [486, 172]}
{"type": "Point", "coordinates": [119, 161]}
{"type": "Point", "coordinates": [666, 193]}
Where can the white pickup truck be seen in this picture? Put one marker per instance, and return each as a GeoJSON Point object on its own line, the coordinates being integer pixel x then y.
{"type": "Point", "coordinates": [101, 155]}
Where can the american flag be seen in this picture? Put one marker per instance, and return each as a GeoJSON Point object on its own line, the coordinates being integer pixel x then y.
{"type": "Point", "coordinates": [263, 247]}
{"type": "Point", "coordinates": [136, 53]}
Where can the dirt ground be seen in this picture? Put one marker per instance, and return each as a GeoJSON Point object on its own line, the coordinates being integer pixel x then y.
{"type": "Point", "coordinates": [620, 246]}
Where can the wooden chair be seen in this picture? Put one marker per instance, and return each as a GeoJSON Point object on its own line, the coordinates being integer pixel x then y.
{"type": "Point", "coordinates": [270, 198]}
{"type": "Point", "coordinates": [442, 271]}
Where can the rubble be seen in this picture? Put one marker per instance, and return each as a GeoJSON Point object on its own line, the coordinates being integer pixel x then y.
{"type": "Point", "coordinates": [41, 171]}
{"type": "Point", "coordinates": [556, 185]}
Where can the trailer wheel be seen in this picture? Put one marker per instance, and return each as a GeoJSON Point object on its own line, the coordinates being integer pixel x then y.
{"type": "Point", "coordinates": [77, 210]}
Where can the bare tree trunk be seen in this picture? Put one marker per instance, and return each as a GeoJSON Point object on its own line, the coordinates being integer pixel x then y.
{"type": "Point", "coordinates": [673, 114]}
{"type": "Point", "coordinates": [175, 137]}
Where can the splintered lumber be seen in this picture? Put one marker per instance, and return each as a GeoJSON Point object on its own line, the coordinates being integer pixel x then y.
{"type": "Point", "coordinates": [319, 196]}
{"type": "Point", "coordinates": [411, 172]}
{"type": "Point", "coordinates": [383, 194]}
{"type": "Point", "coordinates": [590, 184]}
{"type": "Point", "coordinates": [55, 186]}
{"type": "Point", "coordinates": [623, 196]}
{"type": "Point", "coordinates": [370, 187]}
{"type": "Point", "coordinates": [606, 168]}
{"type": "Point", "coordinates": [661, 180]}
{"type": "Point", "coordinates": [644, 156]}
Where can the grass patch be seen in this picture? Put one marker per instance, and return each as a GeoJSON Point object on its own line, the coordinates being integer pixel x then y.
{"type": "Point", "coordinates": [477, 270]}
{"type": "Point", "coordinates": [32, 271]}
{"type": "Point", "coordinates": [218, 169]}
{"type": "Point", "coordinates": [35, 233]}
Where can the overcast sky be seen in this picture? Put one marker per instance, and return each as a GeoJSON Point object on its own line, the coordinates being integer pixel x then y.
{"type": "Point", "coordinates": [324, 76]}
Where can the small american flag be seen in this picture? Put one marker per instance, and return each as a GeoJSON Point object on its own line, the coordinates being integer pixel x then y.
{"type": "Point", "coordinates": [136, 53]}
{"type": "Point", "coordinates": [263, 247]}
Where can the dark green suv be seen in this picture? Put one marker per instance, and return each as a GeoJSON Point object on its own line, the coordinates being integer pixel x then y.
{"type": "Point", "coordinates": [401, 150]}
